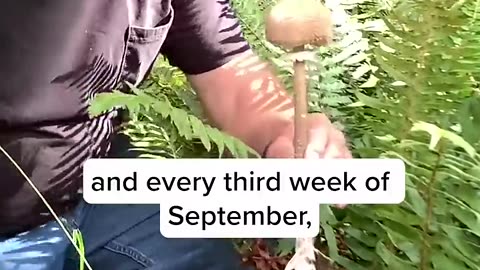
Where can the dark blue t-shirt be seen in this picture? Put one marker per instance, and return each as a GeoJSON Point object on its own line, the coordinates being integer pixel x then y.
{"type": "Point", "coordinates": [57, 54]}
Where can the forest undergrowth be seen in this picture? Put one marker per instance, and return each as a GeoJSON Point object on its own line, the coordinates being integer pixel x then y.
{"type": "Point", "coordinates": [402, 81]}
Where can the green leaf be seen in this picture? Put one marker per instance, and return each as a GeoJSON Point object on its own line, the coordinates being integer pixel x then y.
{"type": "Point", "coordinates": [371, 102]}
{"type": "Point", "coordinates": [441, 262]}
{"type": "Point", "coordinates": [469, 117]}
{"type": "Point", "coordinates": [285, 246]}
{"type": "Point", "coordinates": [200, 131]}
{"type": "Point", "coordinates": [180, 119]}
{"type": "Point", "coordinates": [361, 70]}
{"type": "Point", "coordinates": [104, 102]}
{"type": "Point", "coordinates": [371, 82]}
{"type": "Point", "coordinates": [393, 262]}
{"type": "Point", "coordinates": [437, 133]}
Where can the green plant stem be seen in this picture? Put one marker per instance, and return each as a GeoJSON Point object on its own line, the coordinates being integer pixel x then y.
{"type": "Point", "coordinates": [425, 249]}
{"type": "Point", "coordinates": [49, 207]}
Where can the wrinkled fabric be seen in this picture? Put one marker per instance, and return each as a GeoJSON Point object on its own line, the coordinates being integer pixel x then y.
{"type": "Point", "coordinates": [43, 248]}
{"type": "Point", "coordinates": [57, 55]}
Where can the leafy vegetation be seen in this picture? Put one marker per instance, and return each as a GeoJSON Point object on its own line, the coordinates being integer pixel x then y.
{"type": "Point", "coordinates": [402, 81]}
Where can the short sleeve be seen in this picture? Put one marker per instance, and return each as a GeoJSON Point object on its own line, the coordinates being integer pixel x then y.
{"type": "Point", "coordinates": [205, 35]}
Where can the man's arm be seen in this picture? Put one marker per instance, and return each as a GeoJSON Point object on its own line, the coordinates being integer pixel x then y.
{"type": "Point", "coordinates": [245, 99]}
{"type": "Point", "coordinates": [239, 93]}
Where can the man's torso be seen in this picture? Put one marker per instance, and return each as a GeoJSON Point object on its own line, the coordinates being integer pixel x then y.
{"type": "Point", "coordinates": [56, 55]}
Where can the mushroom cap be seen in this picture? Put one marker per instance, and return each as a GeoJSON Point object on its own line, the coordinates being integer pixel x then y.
{"type": "Point", "coordinates": [295, 23]}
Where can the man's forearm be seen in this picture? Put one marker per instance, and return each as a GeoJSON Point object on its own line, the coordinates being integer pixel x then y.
{"type": "Point", "coordinates": [245, 99]}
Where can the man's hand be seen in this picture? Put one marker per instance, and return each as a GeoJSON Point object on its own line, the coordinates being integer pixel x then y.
{"type": "Point", "coordinates": [325, 141]}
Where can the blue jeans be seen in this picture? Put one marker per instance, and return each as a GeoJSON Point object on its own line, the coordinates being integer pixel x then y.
{"type": "Point", "coordinates": [39, 249]}
{"type": "Point", "coordinates": [116, 237]}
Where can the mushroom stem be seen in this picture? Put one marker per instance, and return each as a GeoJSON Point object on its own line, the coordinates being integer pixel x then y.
{"type": "Point", "coordinates": [301, 106]}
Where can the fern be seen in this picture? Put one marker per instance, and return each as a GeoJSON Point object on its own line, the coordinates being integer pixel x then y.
{"type": "Point", "coordinates": [153, 138]}
{"type": "Point", "coordinates": [416, 118]}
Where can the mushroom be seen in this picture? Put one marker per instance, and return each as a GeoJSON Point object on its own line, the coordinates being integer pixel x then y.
{"type": "Point", "coordinates": [293, 24]}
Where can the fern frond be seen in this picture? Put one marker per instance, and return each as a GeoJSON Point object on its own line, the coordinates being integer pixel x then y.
{"type": "Point", "coordinates": [188, 126]}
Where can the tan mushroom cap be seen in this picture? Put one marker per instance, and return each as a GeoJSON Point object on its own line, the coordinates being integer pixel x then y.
{"type": "Point", "coordinates": [294, 23]}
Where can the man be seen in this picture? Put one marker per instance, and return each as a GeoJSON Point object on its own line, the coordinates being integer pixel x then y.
{"type": "Point", "coordinates": [56, 55]}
